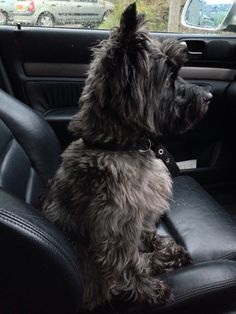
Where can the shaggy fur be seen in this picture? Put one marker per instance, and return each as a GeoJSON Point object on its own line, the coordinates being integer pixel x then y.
{"type": "Point", "coordinates": [109, 201]}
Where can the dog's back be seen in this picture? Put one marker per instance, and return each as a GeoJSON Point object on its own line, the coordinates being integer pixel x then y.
{"type": "Point", "coordinates": [104, 200]}
{"type": "Point", "coordinates": [91, 184]}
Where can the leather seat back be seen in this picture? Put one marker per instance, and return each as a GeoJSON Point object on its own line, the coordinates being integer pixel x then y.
{"type": "Point", "coordinates": [39, 269]}
{"type": "Point", "coordinates": [29, 150]}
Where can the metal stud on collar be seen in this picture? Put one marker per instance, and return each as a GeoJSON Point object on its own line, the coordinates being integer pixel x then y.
{"type": "Point", "coordinates": [167, 160]}
{"type": "Point", "coordinates": [161, 151]}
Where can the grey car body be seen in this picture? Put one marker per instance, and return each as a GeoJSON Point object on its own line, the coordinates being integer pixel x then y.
{"type": "Point", "coordinates": [50, 12]}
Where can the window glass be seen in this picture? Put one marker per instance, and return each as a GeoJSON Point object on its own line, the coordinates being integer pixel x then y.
{"type": "Point", "coordinates": [200, 16]}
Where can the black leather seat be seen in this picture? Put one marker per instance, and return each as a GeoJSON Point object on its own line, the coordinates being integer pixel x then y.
{"type": "Point", "coordinates": [39, 269]}
{"type": "Point", "coordinates": [199, 223]}
{"type": "Point", "coordinates": [29, 150]}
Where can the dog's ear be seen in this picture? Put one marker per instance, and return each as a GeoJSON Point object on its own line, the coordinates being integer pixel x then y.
{"type": "Point", "coordinates": [130, 20]}
{"type": "Point", "coordinates": [176, 55]}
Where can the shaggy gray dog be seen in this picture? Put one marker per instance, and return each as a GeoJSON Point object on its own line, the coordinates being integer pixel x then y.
{"type": "Point", "coordinates": [111, 190]}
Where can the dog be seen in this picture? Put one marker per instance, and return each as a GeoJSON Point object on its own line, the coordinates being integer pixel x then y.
{"type": "Point", "coordinates": [110, 190]}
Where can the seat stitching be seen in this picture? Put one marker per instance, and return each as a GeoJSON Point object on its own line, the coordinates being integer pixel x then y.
{"type": "Point", "coordinates": [226, 256]}
{"type": "Point", "coordinates": [32, 229]}
{"type": "Point", "coordinates": [198, 291]}
{"type": "Point", "coordinates": [44, 239]}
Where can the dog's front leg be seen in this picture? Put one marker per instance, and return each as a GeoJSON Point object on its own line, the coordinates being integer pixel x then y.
{"type": "Point", "coordinates": [123, 270]}
{"type": "Point", "coordinates": [172, 254]}
{"type": "Point", "coordinates": [166, 253]}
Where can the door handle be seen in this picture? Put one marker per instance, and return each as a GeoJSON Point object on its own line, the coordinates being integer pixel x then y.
{"type": "Point", "coordinates": [194, 47]}
{"type": "Point", "coordinates": [193, 53]}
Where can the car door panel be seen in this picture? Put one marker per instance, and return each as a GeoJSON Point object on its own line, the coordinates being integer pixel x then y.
{"type": "Point", "coordinates": [61, 9]}
{"type": "Point", "coordinates": [87, 10]}
{"type": "Point", "coordinates": [47, 70]}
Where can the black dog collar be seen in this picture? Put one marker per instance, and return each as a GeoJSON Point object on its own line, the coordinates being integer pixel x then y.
{"type": "Point", "coordinates": [143, 146]}
{"type": "Point", "coordinates": [162, 153]}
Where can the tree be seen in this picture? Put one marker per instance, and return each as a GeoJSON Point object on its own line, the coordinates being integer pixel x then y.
{"type": "Point", "coordinates": [174, 15]}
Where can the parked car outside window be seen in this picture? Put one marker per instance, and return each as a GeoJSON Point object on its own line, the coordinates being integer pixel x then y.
{"type": "Point", "coordinates": [56, 12]}
{"type": "Point", "coordinates": [6, 11]}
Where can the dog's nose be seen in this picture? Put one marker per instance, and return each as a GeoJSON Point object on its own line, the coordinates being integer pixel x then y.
{"type": "Point", "coordinates": [208, 97]}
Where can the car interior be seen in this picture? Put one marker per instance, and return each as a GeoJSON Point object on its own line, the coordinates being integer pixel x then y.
{"type": "Point", "coordinates": [42, 73]}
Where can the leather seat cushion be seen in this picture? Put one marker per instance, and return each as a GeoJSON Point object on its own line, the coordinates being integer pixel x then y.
{"type": "Point", "coordinates": [199, 223]}
{"type": "Point", "coordinates": [202, 288]}
{"type": "Point", "coordinates": [39, 270]}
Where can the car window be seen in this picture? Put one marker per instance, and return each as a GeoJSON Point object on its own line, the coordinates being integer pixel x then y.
{"type": "Point", "coordinates": [200, 16]}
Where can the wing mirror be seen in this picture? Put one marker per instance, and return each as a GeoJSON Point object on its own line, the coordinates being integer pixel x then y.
{"type": "Point", "coordinates": [209, 15]}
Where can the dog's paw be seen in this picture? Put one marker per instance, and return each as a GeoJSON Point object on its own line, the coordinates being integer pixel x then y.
{"type": "Point", "coordinates": [174, 256]}
{"type": "Point", "coordinates": [185, 258]}
{"type": "Point", "coordinates": [163, 294]}
{"type": "Point", "coordinates": [182, 258]}
{"type": "Point", "coordinates": [153, 291]}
